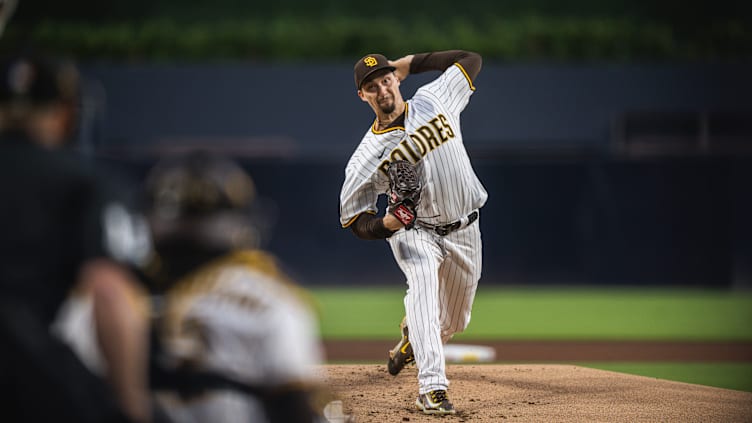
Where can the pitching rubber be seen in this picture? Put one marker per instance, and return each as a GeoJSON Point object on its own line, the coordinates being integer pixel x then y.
{"type": "Point", "coordinates": [464, 353]}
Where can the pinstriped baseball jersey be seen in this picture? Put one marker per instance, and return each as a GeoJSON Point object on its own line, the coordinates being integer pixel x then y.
{"type": "Point", "coordinates": [240, 317]}
{"type": "Point", "coordinates": [432, 140]}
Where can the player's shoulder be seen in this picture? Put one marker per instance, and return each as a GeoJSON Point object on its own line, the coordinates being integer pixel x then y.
{"type": "Point", "coordinates": [255, 265]}
{"type": "Point", "coordinates": [368, 138]}
{"type": "Point", "coordinates": [256, 261]}
{"type": "Point", "coordinates": [370, 141]}
{"type": "Point", "coordinates": [240, 267]}
{"type": "Point", "coordinates": [455, 75]}
{"type": "Point", "coordinates": [264, 274]}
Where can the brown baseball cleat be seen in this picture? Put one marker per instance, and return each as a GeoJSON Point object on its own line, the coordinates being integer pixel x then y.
{"type": "Point", "coordinates": [435, 402]}
{"type": "Point", "coordinates": [402, 353]}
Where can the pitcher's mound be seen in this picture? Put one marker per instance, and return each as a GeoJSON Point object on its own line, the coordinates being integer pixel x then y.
{"type": "Point", "coordinates": [534, 393]}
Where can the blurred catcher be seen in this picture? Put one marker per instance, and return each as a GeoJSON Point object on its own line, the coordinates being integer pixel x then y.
{"type": "Point", "coordinates": [238, 339]}
{"type": "Point", "coordinates": [65, 228]}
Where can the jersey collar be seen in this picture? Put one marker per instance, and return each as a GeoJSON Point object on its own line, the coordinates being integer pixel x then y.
{"type": "Point", "coordinates": [398, 123]}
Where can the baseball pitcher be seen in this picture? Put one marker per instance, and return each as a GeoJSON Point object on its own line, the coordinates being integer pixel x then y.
{"type": "Point", "coordinates": [414, 153]}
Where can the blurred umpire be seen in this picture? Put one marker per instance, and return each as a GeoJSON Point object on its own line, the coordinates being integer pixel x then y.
{"type": "Point", "coordinates": [63, 229]}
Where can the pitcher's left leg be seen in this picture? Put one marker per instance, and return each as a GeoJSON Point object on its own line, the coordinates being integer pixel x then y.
{"type": "Point", "coordinates": [459, 275]}
{"type": "Point", "coordinates": [419, 257]}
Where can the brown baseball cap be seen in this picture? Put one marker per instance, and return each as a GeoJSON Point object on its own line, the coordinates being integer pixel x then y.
{"type": "Point", "coordinates": [369, 64]}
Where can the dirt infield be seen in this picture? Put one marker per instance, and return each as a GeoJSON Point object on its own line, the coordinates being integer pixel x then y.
{"type": "Point", "coordinates": [534, 393]}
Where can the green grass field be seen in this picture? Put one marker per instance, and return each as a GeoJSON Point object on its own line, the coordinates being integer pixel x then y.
{"type": "Point", "coordinates": [571, 314]}
{"type": "Point", "coordinates": [722, 375]}
{"type": "Point", "coordinates": [554, 313]}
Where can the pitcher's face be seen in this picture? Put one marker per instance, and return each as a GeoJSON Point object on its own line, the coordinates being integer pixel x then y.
{"type": "Point", "coordinates": [381, 91]}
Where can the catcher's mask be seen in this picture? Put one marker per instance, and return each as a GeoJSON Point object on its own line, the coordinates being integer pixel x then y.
{"type": "Point", "coordinates": [202, 202]}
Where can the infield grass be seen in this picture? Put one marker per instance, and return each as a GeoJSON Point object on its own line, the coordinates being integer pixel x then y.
{"type": "Point", "coordinates": [554, 314]}
{"type": "Point", "coordinates": [721, 375]}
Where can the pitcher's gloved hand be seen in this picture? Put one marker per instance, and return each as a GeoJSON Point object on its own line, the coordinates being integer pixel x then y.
{"type": "Point", "coordinates": [404, 191]}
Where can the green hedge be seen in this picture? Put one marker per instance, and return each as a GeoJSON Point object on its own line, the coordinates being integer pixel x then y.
{"type": "Point", "coordinates": [301, 38]}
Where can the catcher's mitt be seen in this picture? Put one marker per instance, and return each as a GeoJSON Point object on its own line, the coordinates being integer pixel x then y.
{"type": "Point", "coordinates": [404, 191]}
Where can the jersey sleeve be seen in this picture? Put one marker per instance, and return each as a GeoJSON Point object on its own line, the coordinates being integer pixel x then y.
{"type": "Point", "coordinates": [452, 88]}
{"type": "Point", "coordinates": [360, 191]}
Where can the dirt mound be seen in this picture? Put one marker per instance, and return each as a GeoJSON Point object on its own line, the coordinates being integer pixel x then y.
{"type": "Point", "coordinates": [534, 393]}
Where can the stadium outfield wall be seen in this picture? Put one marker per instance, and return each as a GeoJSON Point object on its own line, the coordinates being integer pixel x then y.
{"type": "Point", "coordinates": [633, 174]}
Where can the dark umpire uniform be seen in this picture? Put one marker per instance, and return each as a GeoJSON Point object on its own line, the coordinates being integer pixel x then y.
{"type": "Point", "coordinates": [56, 214]}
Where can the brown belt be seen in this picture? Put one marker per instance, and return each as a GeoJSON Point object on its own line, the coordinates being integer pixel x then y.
{"type": "Point", "coordinates": [444, 230]}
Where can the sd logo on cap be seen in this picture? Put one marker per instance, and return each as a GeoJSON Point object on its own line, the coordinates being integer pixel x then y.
{"type": "Point", "coordinates": [369, 64]}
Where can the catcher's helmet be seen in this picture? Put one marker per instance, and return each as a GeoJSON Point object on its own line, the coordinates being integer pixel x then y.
{"type": "Point", "coordinates": [198, 183]}
{"type": "Point", "coordinates": [201, 200]}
